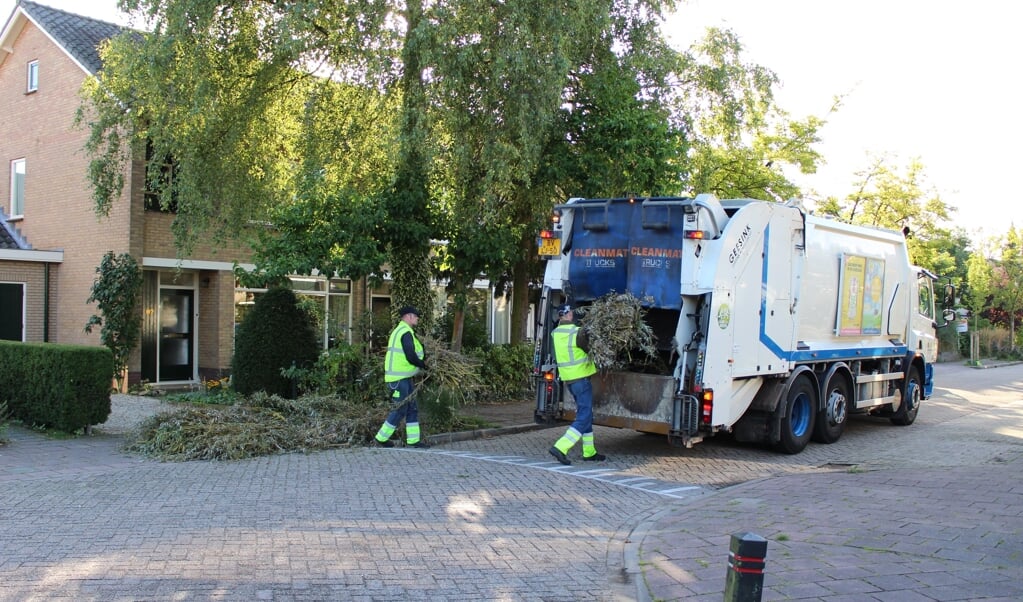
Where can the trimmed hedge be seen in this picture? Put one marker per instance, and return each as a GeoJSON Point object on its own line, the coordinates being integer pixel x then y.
{"type": "Point", "coordinates": [66, 387]}
{"type": "Point", "coordinates": [277, 334]}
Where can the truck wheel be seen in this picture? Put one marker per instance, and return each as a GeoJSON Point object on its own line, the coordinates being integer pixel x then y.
{"type": "Point", "coordinates": [797, 423]}
{"type": "Point", "coordinates": [912, 395]}
{"type": "Point", "coordinates": [832, 417]}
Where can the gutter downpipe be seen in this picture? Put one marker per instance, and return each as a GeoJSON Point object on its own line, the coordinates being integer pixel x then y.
{"type": "Point", "coordinates": [46, 302]}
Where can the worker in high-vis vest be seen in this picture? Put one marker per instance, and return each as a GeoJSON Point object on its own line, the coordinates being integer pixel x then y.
{"type": "Point", "coordinates": [403, 360]}
{"type": "Point", "coordinates": [575, 368]}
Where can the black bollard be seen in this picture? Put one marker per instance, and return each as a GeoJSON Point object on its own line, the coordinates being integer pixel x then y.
{"type": "Point", "coordinates": [745, 579]}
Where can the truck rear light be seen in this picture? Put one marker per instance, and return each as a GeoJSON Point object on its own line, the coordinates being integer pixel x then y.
{"type": "Point", "coordinates": [706, 405]}
{"type": "Point", "coordinates": [548, 376]}
{"type": "Point", "coordinates": [548, 234]}
{"type": "Point", "coordinates": [695, 234]}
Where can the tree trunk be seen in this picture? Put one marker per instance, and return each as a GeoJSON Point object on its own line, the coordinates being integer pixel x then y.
{"type": "Point", "coordinates": [457, 329]}
{"type": "Point", "coordinates": [520, 290]}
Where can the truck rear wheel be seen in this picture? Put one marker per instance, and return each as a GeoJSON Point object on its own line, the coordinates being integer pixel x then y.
{"type": "Point", "coordinates": [912, 395]}
{"type": "Point", "coordinates": [832, 417]}
{"type": "Point", "coordinates": [797, 423]}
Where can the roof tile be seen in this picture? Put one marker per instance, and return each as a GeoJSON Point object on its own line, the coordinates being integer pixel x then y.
{"type": "Point", "coordinates": [79, 35]}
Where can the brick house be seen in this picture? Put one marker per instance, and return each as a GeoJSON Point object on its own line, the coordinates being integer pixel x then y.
{"type": "Point", "coordinates": [51, 239]}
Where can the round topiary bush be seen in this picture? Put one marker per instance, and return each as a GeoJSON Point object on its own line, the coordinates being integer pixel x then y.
{"type": "Point", "coordinates": [276, 334]}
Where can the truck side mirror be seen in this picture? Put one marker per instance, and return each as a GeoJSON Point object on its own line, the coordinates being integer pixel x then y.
{"type": "Point", "coordinates": [949, 315]}
{"type": "Point", "coordinates": [950, 296]}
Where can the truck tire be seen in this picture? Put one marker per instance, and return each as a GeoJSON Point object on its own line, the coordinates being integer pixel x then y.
{"type": "Point", "coordinates": [800, 412]}
{"type": "Point", "coordinates": [912, 394]}
{"type": "Point", "coordinates": [831, 418]}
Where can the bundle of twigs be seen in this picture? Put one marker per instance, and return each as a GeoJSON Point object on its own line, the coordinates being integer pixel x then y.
{"type": "Point", "coordinates": [451, 372]}
{"type": "Point", "coordinates": [263, 426]}
{"type": "Point", "coordinates": [614, 324]}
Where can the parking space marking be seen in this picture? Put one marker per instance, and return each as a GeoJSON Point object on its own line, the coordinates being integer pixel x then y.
{"type": "Point", "coordinates": [605, 475]}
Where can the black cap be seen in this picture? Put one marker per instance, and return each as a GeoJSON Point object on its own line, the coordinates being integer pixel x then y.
{"type": "Point", "coordinates": [564, 309]}
{"type": "Point", "coordinates": [408, 309]}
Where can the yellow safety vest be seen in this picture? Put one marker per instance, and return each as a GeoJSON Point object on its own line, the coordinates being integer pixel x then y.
{"type": "Point", "coordinates": [396, 365]}
{"type": "Point", "coordinates": [573, 362]}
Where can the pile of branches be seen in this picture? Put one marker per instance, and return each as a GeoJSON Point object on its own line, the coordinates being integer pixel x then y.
{"type": "Point", "coordinates": [614, 324]}
{"type": "Point", "coordinates": [263, 425]}
{"type": "Point", "coordinates": [451, 373]}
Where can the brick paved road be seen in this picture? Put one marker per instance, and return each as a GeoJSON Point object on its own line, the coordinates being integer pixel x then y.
{"type": "Point", "coordinates": [494, 519]}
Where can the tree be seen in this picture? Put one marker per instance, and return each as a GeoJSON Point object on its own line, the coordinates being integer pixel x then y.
{"type": "Point", "coordinates": [1007, 279]}
{"type": "Point", "coordinates": [333, 224]}
{"type": "Point", "coordinates": [237, 100]}
{"type": "Point", "coordinates": [409, 223]}
{"type": "Point", "coordinates": [495, 112]}
{"type": "Point", "coordinates": [886, 197]}
{"type": "Point", "coordinates": [117, 291]}
{"type": "Point", "coordinates": [740, 140]}
{"type": "Point", "coordinates": [276, 335]}
{"type": "Point", "coordinates": [499, 84]}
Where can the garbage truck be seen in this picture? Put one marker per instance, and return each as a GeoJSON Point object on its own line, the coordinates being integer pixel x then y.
{"type": "Point", "coordinates": [770, 323]}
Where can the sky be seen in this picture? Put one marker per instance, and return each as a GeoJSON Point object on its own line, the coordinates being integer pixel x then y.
{"type": "Point", "coordinates": [921, 79]}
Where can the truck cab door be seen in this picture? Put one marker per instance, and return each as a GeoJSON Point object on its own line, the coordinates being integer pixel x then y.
{"type": "Point", "coordinates": [925, 320]}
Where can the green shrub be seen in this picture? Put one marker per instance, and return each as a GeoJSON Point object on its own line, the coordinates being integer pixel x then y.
{"type": "Point", "coordinates": [474, 327]}
{"type": "Point", "coordinates": [3, 422]}
{"type": "Point", "coordinates": [273, 337]}
{"type": "Point", "coordinates": [63, 387]}
{"type": "Point", "coordinates": [505, 371]}
{"type": "Point", "coordinates": [346, 370]}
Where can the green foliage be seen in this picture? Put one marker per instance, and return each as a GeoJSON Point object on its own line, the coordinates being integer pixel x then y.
{"type": "Point", "coordinates": [215, 392]}
{"type": "Point", "coordinates": [63, 387]}
{"type": "Point", "coordinates": [411, 284]}
{"type": "Point", "coordinates": [117, 291]}
{"type": "Point", "coordinates": [889, 197]}
{"type": "Point", "coordinates": [275, 335]}
{"type": "Point", "coordinates": [980, 273]}
{"type": "Point", "coordinates": [1006, 296]}
{"type": "Point", "coordinates": [359, 130]}
{"type": "Point", "coordinates": [3, 422]}
{"type": "Point", "coordinates": [346, 370]}
{"type": "Point", "coordinates": [335, 223]}
{"type": "Point", "coordinates": [505, 371]}
{"type": "Point", "coordinates": [997, 343]}
{"type": "Point", "coordinates": [474, 328]}
{"type": "Point", "coordinates": [620, 136]}
{"type": "Point", "coordinates": [739, 139]}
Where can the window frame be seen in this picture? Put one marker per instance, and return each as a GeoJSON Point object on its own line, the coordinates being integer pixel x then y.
{"type": "Point", "coordinates": [158, 173]}
{"type": "Point", "coordinates": [17, 201]}
{"type": "Point", "coordinates": [32, 76]}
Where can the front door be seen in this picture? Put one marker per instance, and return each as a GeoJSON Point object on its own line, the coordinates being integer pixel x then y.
{"type": "Point", "coordinates": [176, 337]}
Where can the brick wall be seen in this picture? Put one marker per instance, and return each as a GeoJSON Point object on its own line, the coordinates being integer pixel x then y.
{"type": "Point", "coordinates": [59, 210]}
{"type": "Point", "coordinates": [58, 206]}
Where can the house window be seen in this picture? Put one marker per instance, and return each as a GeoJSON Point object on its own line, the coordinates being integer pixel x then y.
{"type": "Point", "coordinates": [159, 177]}
{"type": "Point", "coordinates": [17, 188]}
{"type": "Point", "coordinates": [33, 76]}
{"type": "Point", "coordinates": [329, 301]}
